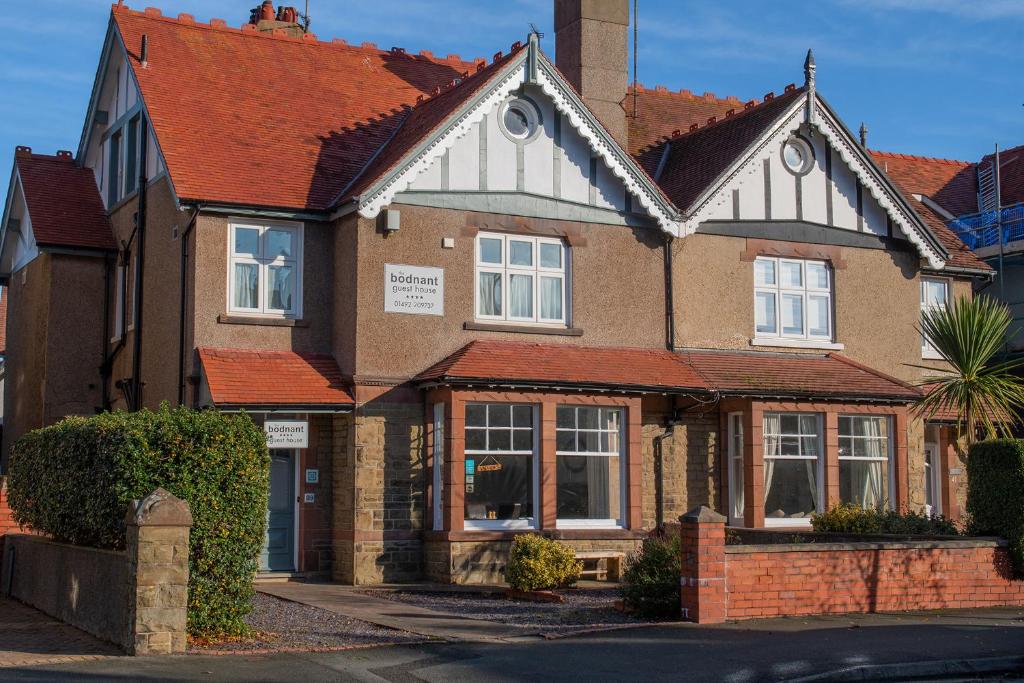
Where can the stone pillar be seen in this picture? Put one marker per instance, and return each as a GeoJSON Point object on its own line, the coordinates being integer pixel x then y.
{"type": "Point", "coordinates": [158, 537]}
{"type": "Point", "coordinates": [702, 584]}
{"type": "Point", "coordinates": [831, 461]}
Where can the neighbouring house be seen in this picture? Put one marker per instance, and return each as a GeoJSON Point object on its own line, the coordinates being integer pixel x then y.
{"type": "Point", "coordinates": [470, 298]}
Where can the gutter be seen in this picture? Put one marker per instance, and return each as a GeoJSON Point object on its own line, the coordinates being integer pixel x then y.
{"type": "Point", "coordinates": [318, 409]}
{"type": "Point", "coordinates": [565, 386]}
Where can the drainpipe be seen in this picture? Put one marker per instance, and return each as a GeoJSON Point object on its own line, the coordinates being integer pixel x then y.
{"type": "Point", "coordinates": [670, 314]}
{"type": "Point", "coordinates": [183, 303]}
{"type": "Point", "coordinates": [104, 339]}
{"type": "Point", "coordinates": [140, 218]}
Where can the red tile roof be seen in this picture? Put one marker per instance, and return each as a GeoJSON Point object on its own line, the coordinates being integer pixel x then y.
{"type": "Point", "coordinates": [832, 375]}
{"type": "Point", "coordinates": [951, 184]}
{"type": "Point", "coordinates": [63, 202]}
{"type": "Point", "coordinates": [283, 122]}
{"type": "Point", "coordinates": [1011, 174]}
{"type": "Point", "coordinates": [732, 372]}
{"type": "Point", "coordinates": [960, 255]}
{"type": "Point", "coordinates": [239, 377]}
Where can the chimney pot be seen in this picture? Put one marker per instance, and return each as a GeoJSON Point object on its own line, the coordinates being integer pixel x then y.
{"type": "Point", "coordinates": [267, 11]}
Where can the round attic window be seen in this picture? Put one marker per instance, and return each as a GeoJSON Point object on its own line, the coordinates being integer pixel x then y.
{"type": "Point", "coordinates": [520, 120]}
{"type": "Point", "coordinates": [797, 155]}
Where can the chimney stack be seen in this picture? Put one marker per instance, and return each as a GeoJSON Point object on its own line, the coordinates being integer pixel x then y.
{"type": "Point", "coordinates": [592, 52]}
{"type": "Point", "coordinates": [266, 19]}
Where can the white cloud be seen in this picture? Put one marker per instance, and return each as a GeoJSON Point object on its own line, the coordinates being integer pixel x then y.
{"type": "Point", "coordinates": [968, 9]}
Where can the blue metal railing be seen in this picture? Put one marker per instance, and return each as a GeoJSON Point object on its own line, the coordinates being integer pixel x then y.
{"type": "Point", "coordinates": [982, 229]}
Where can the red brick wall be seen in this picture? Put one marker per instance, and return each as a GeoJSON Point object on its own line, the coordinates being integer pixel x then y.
{"type": "Point", "coordinates": [7, 523]}
{"type": "Point", "coordinates": [752, 581]}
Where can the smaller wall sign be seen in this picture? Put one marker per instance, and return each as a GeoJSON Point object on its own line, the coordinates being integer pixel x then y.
{"type": "Point", "coordinates": [287, 433]}
{"type": "Point", "coordinates": [308, 497]}
{"type": "Point", "coordinates": [415, 290]}
{"type": "Point", "coordinates": [312, 476]}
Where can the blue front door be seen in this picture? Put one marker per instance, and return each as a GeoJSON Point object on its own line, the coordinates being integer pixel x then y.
{"type": "Point", "coordinates": [279, 547]}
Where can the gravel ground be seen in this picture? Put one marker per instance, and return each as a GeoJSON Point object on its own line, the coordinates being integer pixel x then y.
{"type": "Point", "coordinates": [280, 625]}
{"type": "Point", "coordinates": [581, 609]}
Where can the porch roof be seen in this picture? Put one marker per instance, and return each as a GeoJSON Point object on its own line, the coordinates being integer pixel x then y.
{"type": "Point", "coordinates": [240, 378]}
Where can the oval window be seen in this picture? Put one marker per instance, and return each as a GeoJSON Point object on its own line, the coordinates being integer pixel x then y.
{"type": "Point", "coordinates": [797, 155]}
{"type": "Point", "coordinates": [520, 120]}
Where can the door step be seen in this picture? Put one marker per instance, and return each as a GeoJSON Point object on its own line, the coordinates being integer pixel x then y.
{"type": "Point", "coordinates": [280, 577]}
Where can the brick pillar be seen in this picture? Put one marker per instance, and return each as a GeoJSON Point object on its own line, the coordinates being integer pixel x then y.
{"type": "Point", "coordinates": [634, 465]}
{"type": "Point", "coordinates": [902, 492]}
{"type": "Point", "coordinates": [548, 466]}
{"type": "Point", "coordinates": [753, 466]}
{"type": "Point", "coordinates": [158, 536]}
{"type": "Point", "coordinates": [950, 469]}
{"type": "Point", "coordinates": [831, 460]}
{"type": "Point", "coordinates": [702, 584]}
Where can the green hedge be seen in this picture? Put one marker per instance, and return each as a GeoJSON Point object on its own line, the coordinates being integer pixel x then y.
{"type": "Point", "coordinates": [995, 493]}
{"type": "Point", "coordinates": [538, 563]}
{"type": "Point", "coordinates": [75, 479]}
{"type": "Point", "coordinates": [852, 519]}
{"type": "Point", "coordinates": [651, 580]}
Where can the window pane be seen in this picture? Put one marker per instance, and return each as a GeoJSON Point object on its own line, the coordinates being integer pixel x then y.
{"type": "Point", "coordinates": [934, 292]}
{"type": "Point", "coordinates": [864, 483]}
{"type": "Point", "coordinates": [476, 440]}
{"type": "Point", "coordinates": [791, 274]}
{"type": "Point", "coordinates": [279, 244]}
{"type": "Point", "coordinates": [588, 418]}
{"type": "Point", "coordinates": [792, 314]}
{"type": "Point", "coordinates": [789, 424]}
{"type": "Point", "coordinates": [247, 277]}
{"type": "Point", "coordinates": [520, 296]}
{"type": "Point", "coordinates": [565, 440]}
{"type": "Point", "coordinates": [489, 296]}
{"type": "Point", "coordinates": [501, 487]}
{"type": "Point", "coordinates": [520, 253]}
{"type": "Point", "coordinates": [551, 298]}
{"type": "Point", "coordinates": [808, 424]}
{"type": "Point", "coordinates": [522, 416]}
{"type": "Point", "coordinates": [610, 418]}
{"type": "Point", "coordinates": [476, 415]}
{"type": "Point", "coordinates": [764, 272]}
{"type": "Point", "coordinates": [765, 312]}
{"type": "Point", "coordinates": [550, 255]}
{"type": "Point", "coordinates": [589, 487]}
{"type": "Point", "coordinates": [791, 488]}
{"type": "Point", "coordinates": [588, 442]}
{"type": "Point", "coordinates": [522, 440]}
{"type": "Point", "coordinates": [817, 275]}
{"type": "Point", "coordinates": [565, 416]}
{"type": "Point", "coordinates": [499, 416]}
{"type": "Point", "coordinates": [817, 316]}
{"type": "Point", "coordinates": [280, 286]}
{"type": "Point", "coordinates": [490, 250]}
{"type": "Point", "coordinates": [499, 439]}
{"type": "Point", "coordinates": [247, 241]}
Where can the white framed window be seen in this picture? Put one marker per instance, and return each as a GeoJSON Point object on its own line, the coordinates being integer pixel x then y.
{"type": "Point", "coordinates": [590, 467]}
{"type": "Point", "coordinates": [522, 279]}
{"type": "Point", "coordinates": [934, 295]}
{"type": "Point", "coordinates": [265, 269]}
{"type": "Point", "coordinates": [792, 468]}
{"type": "Point", "coordinates": [501, 466]}
{"type": "Point", "coordinates": [792, 300]}
{"type": "Point", "coordinates": [865, 461]}
{"type": "Point", "coordinates": [737, 506]}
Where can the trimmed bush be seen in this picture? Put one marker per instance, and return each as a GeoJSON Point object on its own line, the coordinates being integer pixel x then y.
{"type": "Point", "coordinates": [995, 493]}
{"type": "Point", "coordinates": [75, 479]}
{"type": "Point", "coordinates": [651, 579]}
{"type": "Point", "coordinates": [848, 518]}
{"type": "Point", "coordinates": [538, 563]}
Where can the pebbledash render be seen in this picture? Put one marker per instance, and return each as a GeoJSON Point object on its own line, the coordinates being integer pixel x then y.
{"type": "Point", "coordinates": [472, 298]}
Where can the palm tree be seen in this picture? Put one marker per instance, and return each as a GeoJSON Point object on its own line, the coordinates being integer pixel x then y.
{"type": "Point", "coordinates": [979, 388]}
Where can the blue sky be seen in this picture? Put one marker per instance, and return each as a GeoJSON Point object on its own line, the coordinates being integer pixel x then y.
{"type": "Point", "coordinates": [933, 77]}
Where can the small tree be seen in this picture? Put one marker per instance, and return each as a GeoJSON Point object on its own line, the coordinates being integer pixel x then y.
{"type": "Point", "coordinates": [979, 388]}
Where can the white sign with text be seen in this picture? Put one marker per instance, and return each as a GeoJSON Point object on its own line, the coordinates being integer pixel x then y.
{"type": "Point", "coordinates": [287, 433]}
{"type": "Point", "coordinates": [416, 290]}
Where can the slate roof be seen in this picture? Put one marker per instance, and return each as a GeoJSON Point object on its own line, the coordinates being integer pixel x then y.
{"type": "Point", "coordinates": [241, 377]}
{"type": "Point", "coordinates": [63, 202]}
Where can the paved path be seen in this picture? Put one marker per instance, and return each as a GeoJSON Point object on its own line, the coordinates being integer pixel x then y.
{"type": "Point", "coordinates": [28, 637]}
{"type": "Point", "coordinates": [353, 603]}
{"type": "Point", "coordinates": [775, 650]}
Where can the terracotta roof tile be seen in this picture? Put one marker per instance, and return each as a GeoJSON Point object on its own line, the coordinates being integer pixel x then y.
{"type": "Point", "coordinates": [1011, 174]}
{"type": "Point", "coordinates": [63, 202]}
{"type": "Point", "coordinates": [239, 377]}
{"type": "Point", "coordinates": [951, 184]}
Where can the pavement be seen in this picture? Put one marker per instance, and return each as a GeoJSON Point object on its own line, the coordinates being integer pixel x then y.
{"type": "Point", "coordinates": [946, 645]}
{"type": "Point", "coordinates": [29, 637]}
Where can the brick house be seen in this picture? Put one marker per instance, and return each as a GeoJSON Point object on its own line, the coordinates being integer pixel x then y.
{"type": "Point", "coordinates": [475, 298]}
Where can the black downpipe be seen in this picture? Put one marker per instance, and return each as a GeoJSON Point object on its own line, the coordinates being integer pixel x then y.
{"type": "Point", "coordinates": [140, 263]}
{"type": "Point", "coordinates": [670, 309]}
{"type": "Point", "coordinates": [184, 300]}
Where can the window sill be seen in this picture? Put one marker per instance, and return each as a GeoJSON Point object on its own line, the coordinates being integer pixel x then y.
{"type": "Point", "coordinates": [796, 343]}
{"type": "Point", "coordinates": [522, 329]}
{"type": "Point", "coordinates": [787, 522]}
{"type": "Point", "coordinates": [925, 355]}
{"type": "Point", "coordinates": [225, 319]}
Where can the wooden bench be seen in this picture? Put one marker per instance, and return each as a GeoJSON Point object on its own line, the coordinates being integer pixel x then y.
{"type": "Point", "coordinates": [612, 570]}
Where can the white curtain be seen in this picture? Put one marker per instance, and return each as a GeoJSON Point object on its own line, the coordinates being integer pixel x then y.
{"type": "Point", "coordinates": [772, 427]}
{"type": "Point", "coordinates": [551, 298]}
{"type": "Point", "coordinates": [597, 487]}
{"type": "Point", "coordinates": [281, 288]}
{"type": "Point", "coordinates": [520, 296]}
{"type": "Point", "coordinates": [246, 285]}
{"type": "Point", "coordinates": [875, 447]}
{"type": "Point", "coordinates": [490, 294]}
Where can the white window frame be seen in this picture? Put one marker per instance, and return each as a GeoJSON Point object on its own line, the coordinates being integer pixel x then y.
{"type": "Point", "coordinates": [619, 523]}
{"type": "Point", "coordinates": [505, 270]}
{"type": "Point", "coordinates": [932, 472]}
{"type": "Point", "coordinates": [438, 453]}
{"type": "Point", "coordinates": [262, 310]}
{"type": "Point", "coordinates": [888, 458]}
{"type": "Point", "coordinates": [806, 293]}
{"type": "Point", "coordinates": [502, 524]}
{"type": "Point", "coordinates": [736, 452]}
{"type": "Point", "coordinates": [819, 459]}
{"type": "Point", "coordinates": [927, 350]}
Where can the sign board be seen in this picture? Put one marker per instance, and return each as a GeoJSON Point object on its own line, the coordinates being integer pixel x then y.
{"type": "Point", "coordinates": [415, 290]}
{"type": "Point", "coordinates": [287, 433]}
{"type": "Point", "coordinates": [312, 476]}
{"type": "Point", "coordinates": [308, 497]}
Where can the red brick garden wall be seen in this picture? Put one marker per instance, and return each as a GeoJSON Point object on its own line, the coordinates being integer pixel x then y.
{"type": "Point", "coordinates": [734, 582]}
{"type": "Point", "coordinates": [7, 523]}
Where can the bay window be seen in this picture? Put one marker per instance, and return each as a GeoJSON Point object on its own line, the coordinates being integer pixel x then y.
{"type": "Point", "coordinates": [934, 296]}
{"type": "Point", "coordinates": [792, 467]}
{"type": "Point", "coordinates": [792, 299]}
{"type": "Point", "coordinates": [500, 481]}
{"type": "Point", "coordinates": [265, 270]}
{"type": "Point", "coordinates": [865, 455]}
{"type": "Point", "coordinates": [590, 485]}
{"type": "Point", "coordinates": [521, 279]}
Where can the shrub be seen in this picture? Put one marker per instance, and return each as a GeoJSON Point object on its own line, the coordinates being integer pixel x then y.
{"type": "Point", "coordinates": [74, 480]}
{"type": "Point", "coordinates": [651, 579]}
{"type": "Point", "coordinates": [852, 519]}
{"type": "Point", "coordinates": [995, 493]}
{"type": "Point", "coordinates": [538, 563]}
